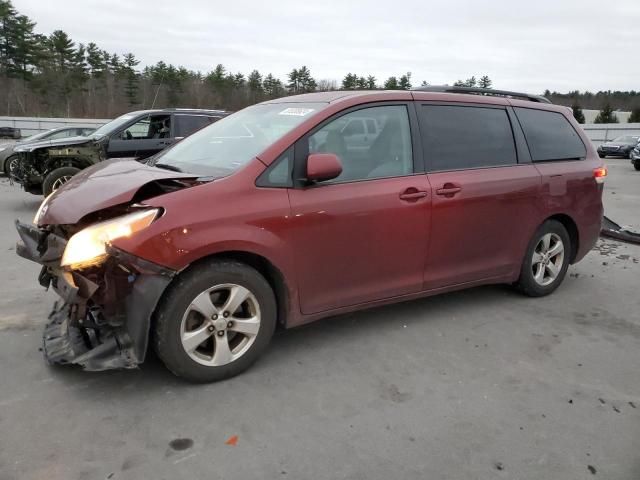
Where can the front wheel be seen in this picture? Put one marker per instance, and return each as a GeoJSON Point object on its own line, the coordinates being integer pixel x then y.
{"type": "Point", "coordinates": [10, 165]}
{"type": "Point", "coordinates": [636, 165]}
{"type": "Point", "coordinates": [601, 155]}
{"type": "Point", "coordinates": [546, 261]}
{"type": "Point", "coordinates": [57, 178]}
{"type": "Point", "coordinates": [215, 321]}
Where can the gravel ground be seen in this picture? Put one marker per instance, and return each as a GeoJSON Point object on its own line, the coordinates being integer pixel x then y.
{"type": "Point", "coordinates": [481, 384]}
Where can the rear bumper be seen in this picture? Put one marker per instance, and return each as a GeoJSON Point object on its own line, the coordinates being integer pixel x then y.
{"type": "Point", "coordinates": [103, 318]}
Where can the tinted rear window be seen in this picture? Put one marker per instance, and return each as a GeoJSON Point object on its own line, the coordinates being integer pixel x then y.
{"type": "Point", "coordinates": [187, 124]}
{"type": "Point", "coordinates": [550, 136]}
{"type": "Point", "coordinates": [459, 137]}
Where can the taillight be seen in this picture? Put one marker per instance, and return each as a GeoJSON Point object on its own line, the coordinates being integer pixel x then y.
{"type": "Point", "coordinates": [599, 174]}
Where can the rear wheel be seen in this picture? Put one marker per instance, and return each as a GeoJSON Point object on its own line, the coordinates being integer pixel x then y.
{"type": "Point", "coordinates": [215, 322]}
{"type": "Point", "coordinates": [57, 178]}
{"type": "Point", "coordinates": [546, 261]}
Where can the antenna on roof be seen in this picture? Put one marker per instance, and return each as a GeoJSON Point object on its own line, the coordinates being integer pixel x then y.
{"type": "Point", "coordinates": [157, 91]}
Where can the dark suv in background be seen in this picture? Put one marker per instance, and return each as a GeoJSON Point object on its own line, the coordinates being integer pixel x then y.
{"type": "Point", "coordinates": [45, 166]}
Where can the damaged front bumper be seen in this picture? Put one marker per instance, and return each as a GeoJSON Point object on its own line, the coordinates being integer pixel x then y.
{"type": "Point", "coordinates": [103, 319]}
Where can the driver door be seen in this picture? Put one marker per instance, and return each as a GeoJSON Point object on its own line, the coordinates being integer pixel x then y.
{"type": "Point", "coordinates": [143, 138]}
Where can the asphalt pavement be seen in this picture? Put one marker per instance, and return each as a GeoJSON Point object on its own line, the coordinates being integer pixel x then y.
{"type": "Point", "coordinates": [480, 384]}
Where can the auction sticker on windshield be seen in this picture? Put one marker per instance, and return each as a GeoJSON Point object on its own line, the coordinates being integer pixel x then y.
{"type": "Point", "coordinates": [297, 112]}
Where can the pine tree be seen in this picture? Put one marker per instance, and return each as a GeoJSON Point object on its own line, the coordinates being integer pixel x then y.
{"type": "Point", "coordinates": [273, 87]}
{"type": "Point", "coordinates": [301, 81]}
{"type": "Point", "coordinates": [391, 84]}
{"type": "Point", "coordinates": [254, 83]}
{"type": "Point", "coordinates": [371, 82]}
{"type": "Point", "coordinates": [405, 81]}
{"type": "Point", "coordinates": [131, 86]}
{"type": "Point", "coordinates": [606, 115]}
{"type": "Point", "coordinates": [62, 49]}
{"type": "Point", "coordinates": [635, 115]}
{"type": "Point", "coordinates": [578, 113]}
{"type": "Point", "coordinates": [485, 82]}
{"type": "Point", "coordinates": [349, 81]}
{"type": "Point", "coordinates": [7, 23]}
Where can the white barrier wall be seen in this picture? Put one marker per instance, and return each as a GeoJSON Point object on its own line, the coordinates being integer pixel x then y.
{"type": "Point", "coordinates": [602, 132]}
{"type": "Point", "coordinates": [31, 125]}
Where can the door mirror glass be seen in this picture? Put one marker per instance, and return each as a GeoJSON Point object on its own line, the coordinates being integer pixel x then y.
{"type": "Point", "coordinates": [323, 166]}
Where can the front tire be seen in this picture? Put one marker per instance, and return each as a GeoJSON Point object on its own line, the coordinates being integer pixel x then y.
{"type": "Point", "coordinates": [546, 261]}
{"type": "Point", "coordinates": [10, 165]}
{"type": "Point", "coordinates": [601, 155]}
{"type": "Point", "coordinates": [57, 178]}
{"type": "Point", "coordinates": [215, 321]}
{"type": "Point", "coordinates": [636, 165]}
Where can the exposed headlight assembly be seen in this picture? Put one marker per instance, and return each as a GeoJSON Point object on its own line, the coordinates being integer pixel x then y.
{"type": "Point", "coordinates": [88, 246]}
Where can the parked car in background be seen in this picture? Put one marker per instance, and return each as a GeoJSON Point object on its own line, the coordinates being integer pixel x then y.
{"type": "Point", "coordinates": [619, 147]}
{"type": "Point", "coordinates": [9, 158]}
{"type": "Point", "coordinates": [45, 166]}
{"type": "Point", "coordinates": [635, 157]}
{"type": "Point", "coordinates": [269, 217]}
{"type": "Point", "coordinates": [10, 132]}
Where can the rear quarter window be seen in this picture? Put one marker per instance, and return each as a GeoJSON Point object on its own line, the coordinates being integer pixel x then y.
{"type": "Point", "coordinates": [550, 136]}
{"type": "Point", "coordinates": [187, 124]}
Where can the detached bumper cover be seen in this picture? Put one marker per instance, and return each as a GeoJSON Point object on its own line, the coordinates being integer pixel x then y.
{"type": "Point", "coordinates": [104, 316]}
{"type": "Point", "coordinates": [612, 230]}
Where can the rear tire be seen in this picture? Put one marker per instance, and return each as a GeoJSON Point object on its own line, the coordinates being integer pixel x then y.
{"type": "Point", "coordinates": [188, 340]}
{"type": "Point", "coordinates": [57, 178]}
{"type": "Point", "coordinates": [546, 261]}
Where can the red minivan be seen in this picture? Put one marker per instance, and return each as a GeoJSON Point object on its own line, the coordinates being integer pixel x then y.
{"type": "Point", "coordinates": [306, 207]}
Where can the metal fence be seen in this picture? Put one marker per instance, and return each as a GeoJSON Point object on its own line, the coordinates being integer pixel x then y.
{"type": "Point", "coordinates": [603, 132]}
{"type": "Point", "coordinates": [32, 125]}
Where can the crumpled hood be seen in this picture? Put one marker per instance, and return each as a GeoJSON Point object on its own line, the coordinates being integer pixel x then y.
{"type": "Point", "coordinates": [109, 183]}
{"type": "Point", "coordinates": [58, 142]}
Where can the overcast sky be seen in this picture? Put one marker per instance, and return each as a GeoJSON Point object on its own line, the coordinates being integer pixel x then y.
{"type": "Point", "coordinates": [561, 44]}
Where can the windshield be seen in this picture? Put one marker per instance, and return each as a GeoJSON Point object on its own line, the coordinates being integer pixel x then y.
{"type": "Point", "coordinates": [109, 127]}
{"type": "Point", "coordinates": [626, 139]}
{"type": "Point", "coordinates": [39, 136]}
{"type": "Point", "coordinates": [225, 146]}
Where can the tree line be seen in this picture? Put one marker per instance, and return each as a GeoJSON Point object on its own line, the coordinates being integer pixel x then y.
{"type": "Point", "coordinates": [51, 75]}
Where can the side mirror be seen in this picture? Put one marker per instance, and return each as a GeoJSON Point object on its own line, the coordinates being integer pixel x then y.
{"type": "Point", "coordinates": [323, 166]}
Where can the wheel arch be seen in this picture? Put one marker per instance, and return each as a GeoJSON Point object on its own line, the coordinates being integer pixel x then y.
{"type": "Point", "coordinates": [572, 229]}
{"type": "Point", "coordinates": [264, 266]}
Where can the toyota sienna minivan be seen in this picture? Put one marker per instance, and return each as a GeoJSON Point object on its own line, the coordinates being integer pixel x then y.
{"type": "Point", "coordinates": [280, 215]}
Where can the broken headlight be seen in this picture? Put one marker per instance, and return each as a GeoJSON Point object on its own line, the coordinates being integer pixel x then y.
{"type": "Point", "coordinates": [88, 246]}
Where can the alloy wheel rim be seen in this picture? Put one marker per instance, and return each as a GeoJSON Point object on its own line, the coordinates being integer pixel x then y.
{"type": "Point", "coordinates": [220, 325]}
{"type": "Point", "coordinates": [59, 182]}
{"type": "Point", "coordinates": [547, 259]}
{"type": "Point", "coordinates": [13, 163]}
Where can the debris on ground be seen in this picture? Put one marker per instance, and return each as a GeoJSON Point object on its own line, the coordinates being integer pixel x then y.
{"type": "Point", "coordinates": [613, 230]}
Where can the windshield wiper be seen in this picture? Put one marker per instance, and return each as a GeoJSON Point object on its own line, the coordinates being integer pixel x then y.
{"type": "Point", "coordinates": [167, 167]}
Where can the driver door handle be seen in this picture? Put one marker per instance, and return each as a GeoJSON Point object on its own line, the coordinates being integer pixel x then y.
{"type": "Point", "coordinates": [449, 189]}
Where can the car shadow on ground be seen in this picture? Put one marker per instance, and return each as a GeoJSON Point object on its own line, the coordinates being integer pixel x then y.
{"type": "Point", "coordinates": [288, 345]}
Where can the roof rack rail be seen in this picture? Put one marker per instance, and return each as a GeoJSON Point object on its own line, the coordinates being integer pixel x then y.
{"type": "Point", "coordinates": [483, 91]}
